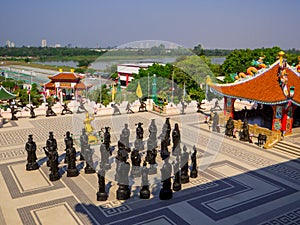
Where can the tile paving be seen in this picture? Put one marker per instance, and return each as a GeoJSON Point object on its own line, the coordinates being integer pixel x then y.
{"type": "Point", "coordinates": [237, 183]}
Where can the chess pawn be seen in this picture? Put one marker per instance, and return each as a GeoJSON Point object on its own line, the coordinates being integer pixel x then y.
{"type": "Point", "coordinates": [101, 194]}
{"type": "Point", "coordinates": [194, 172]}
{"type": "Point", "coordinates": [166, 192]}
{"type": "Point", "coordinates": [145, 192]}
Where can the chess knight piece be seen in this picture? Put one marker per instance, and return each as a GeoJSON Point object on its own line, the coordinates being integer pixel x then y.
{"type": "Point", "coordinates": [30, 147]}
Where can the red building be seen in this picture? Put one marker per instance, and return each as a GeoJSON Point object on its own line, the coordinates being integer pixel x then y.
{"type": "Point", "coordinates": [277, 91]}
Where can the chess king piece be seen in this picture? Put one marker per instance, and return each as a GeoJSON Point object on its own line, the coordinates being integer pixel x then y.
{"type": "Point", "coordinates": [184, 166]}
{"type": "Point", "coordinates": [51, 145]}
{"type": "Point", "coordinates": [84, 140]}
{"type": "Point", "coordinates": [68, 143]}
{"type": "Point", "coordinates": [101, 194]}
{"type": "Point", "coordinates": [145, 192]}
{"type": "Point", "coordinates": [124, 136]}
{"type": "Point", "coordinates": [30, 147]}
{"type": "Point", "coordinates": [123, 168]}
{"type": "Point", "coordinates": [71, 160]}
{"type": "Point", "coordinates": [136, 162]}
{"type": "Point", "coordinates": [177, 182]}
{"type": "Point", "coordinates": [139, 145]}
{"type": "Point", "coordinates": [166, 192]}
{"type": "Point", "coordinates": [176, 140]}
{"type": "Point", "coordinates": [229, 127]}
{"type": "Point", "coordinates": [89, 160]}
{"type": "Point", "coordinates": [66, 109]}
{"type": "Point", "coordinates": [194, 172]}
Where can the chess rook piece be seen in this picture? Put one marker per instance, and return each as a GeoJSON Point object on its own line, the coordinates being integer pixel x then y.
{"type": "Point", "coordinates": [101, 194]}
{"type": "Point", "coordinates": [84, 140]}
{"type": "Point", "coordinates": [184, 166]}
{"type": "Point", "coordinates": [123, 168]}
{"type": "Point", "coordinates": [135, 161]}
{"type": "Point", "coordinates": [124, 136]}
{"type": "Point", "coordinates": [229, 127]}
{"type": "Point", "coordinates": [30, 147]}
{"type": "Point", "coordinates": [89, 160]}
{"type": "Point", "coordinates": [194, 172]}
{"type": "Point", "coordinates": [145, 192]}
{"type": "Point", "coordinates": [51, 145]}
{"type": "Point", "coordinates": [68, 143]}
{"type": "Point", "coordinates": [176, 183]}
{"type": "Point", "coordinates": [176, 140]}
{"type": "Point", "coordinates": [166, 192]}
{"type": "Point", "coordinates": [66, 109]}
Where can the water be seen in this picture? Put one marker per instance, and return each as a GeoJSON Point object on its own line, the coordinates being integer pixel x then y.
{"type": "Point", "coordinates": [218, 60]}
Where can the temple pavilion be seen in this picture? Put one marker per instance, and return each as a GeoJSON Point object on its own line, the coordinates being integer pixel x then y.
{"type": "Point", "coordinates": [67, 84]}
{"type": "Point", "coordinates": [274, 89]}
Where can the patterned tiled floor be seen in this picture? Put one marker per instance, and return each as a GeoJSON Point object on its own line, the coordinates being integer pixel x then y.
{"type": "Point", "coordinates": [237, 183]}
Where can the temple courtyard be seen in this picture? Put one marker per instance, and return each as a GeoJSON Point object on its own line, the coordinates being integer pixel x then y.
{"type": "Point", "coordinates": [237, 183]}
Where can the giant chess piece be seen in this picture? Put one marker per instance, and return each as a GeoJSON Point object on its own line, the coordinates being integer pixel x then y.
{"type": "Point", "coordinates": [166, 131]}
{"type": "Point", "coordinates": [89, 160]}
{"type": "Point", "coordinates": [14, 110]}
{"type": "Point", "coordinates": [139, 145]}
{"type": "Point", "coordinates": [164, 153]}
{"type": "Point", "coordinates": [153, 132]}
{"type": "Point", "coordinates": [142, 107]}
{"type": "Point", "coordinates": [72, 171]}
{"type": "Point", "coordinates": [51, 145]}
{"type": "Point", "coordinates": [30, 147]}
{"type": "Point", "coordinates": [116, 109]}
{"type": "Point", "coordinates": [229, 127]}
{"type": "Point", "coordinates": [66, 109]}
{"type": "Point", "coordinates": [84, 141]}
{"type": "Point", "coordinates": [199, 108]}
{"type": "Point", "coordinates": [176, 140]}
{"type": "Point", "coordinates": [244, 135]}
{"type": "Point", "coordinates": [105, 150]}
{"type": "Point", "coordinates": [215, 123]}
{"type": "Point", "coordinates": [128, 108]}
{"type": "Point", "coordinates": [123, 168]}
{"type": "Point", "coordinates": [151, 156]}
{"type": "Point", "coordinates": [194, 172]}
{"type": "Point", "coordinates": [68, 143]}
{"type": "Point", "coordinates": [184, 166]}
{"type": "Point", "coordinates": [166, 192]}
{"type": "Point", "coordinates": [49, 111]}
{"type": "Point", "coordinates": [136, 163]}
{"type": "Point", "coordinates": [183, 106]}
{"type": "Point", "coordinates": [145, 192]}
{"type": "Point", "coordinates": [101, 194]}
{"type": "Point", "coordinates": [124, 136]}
{"type": "Point", "coordinates": [81, 107]}
{"type": "Point", "coordinates": [32, 113]}
{"type": "Point", "coordinates": [177, 179]}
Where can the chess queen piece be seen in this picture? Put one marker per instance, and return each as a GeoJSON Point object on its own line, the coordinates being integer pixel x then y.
{"type": "Point", "coordinates": [145, 192]}
{"type": "Point", "coordinates": [30, 147]}
{"type": "Point", "coordinates": [194, 172]}
{"type": "Point", "coordinates": [166, 192]}
{"type": "Point", "coordinates": [101, 194]}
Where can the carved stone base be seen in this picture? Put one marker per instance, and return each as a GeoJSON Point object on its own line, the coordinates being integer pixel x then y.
{"type": "Point", "coordinates": [32, 166]}
{"type": "Point", "coordinates": [72, 172]}
{"type": "Point", "coordinates": [184, 179]}
{"type": "Point", "coordinates": [89, 170]}
{"type": "Point", "coordinates": [54, 177]}
{"type": "Point", "coordinates": [176, 186]}
{"type": "Point", "coordinates": [194, 174]}
{"type": "Point", "coordinates": [165, 194]}
{"type": "Point", "coordinates": [102, 196]}
{"type": "Point", "coordinates": [145, 192]}
{"type": "Point", "coordinates": [123, 193]}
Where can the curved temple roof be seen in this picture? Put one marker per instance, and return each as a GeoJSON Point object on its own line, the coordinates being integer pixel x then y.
{"type": "Point", "coordinates": [262, 88]}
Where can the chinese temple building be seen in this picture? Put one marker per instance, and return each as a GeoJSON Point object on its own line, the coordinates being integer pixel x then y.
{"type": "Point", "coordinates": [66, 84]}
{"type": "Point", "coordinates": [274, 89]}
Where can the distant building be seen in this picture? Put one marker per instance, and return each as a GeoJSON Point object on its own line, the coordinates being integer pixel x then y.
{"type": "Point", "coordinates": [57, 46]}
{"type": "Point", "coordinates": [12, 44]}
{"type": "Point", "coordinates": [7, 44]}
{"type": "Point", "coordinates": [44, 43]}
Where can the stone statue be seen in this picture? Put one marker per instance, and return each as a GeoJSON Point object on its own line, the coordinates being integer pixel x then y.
{"type": "Point", "coordinates": [215, 124]}
{"type": "Point", "coordinates": [66, 109]}
{"type": "Point", "coordinates": [101, 194]}
{"type": "Point", "coordinates": [194, 171]}
{"type": "Point", "coordinates": [105, 150]}
{"type": "Point", "coordinates": [139, 145]}
{"type": "Point", "coordinates": [30, 147]}
{"type": "Point", "coordinates": [199, 108]}
{"type": "Point", "coordinates": [84, 141]}
{"type": "Point", "coordinates": [166, 192]}
{"type": "Point", "coordinates": [81, 107]}
{"type": "Point", "coordinates": [177, 179]}
{"type": "Point", "coordinates": [244, 134]}
{"type": "Point", "coordinates": [229, 127]}
{"type": "Point", "coordinates": [217, 106]}
{"type": "Point", "coordinates": [164, 153]}
{"type": "Point", "coordinates": [128, 108]}
{"type": "Point", "coordinates": [51, 153]}
{"type": "Point", "coordinates": [145, 192]}
{"type": "Point", "coordinates": [142, 107]}
{"type": "Point", "coordinates": [184, 166]}
{"type": "Point", "coordinates": [123, 168]}
{"type": "Point", "coordinates": [51, 145]}
{"type": "Point", "coordinates": [89, 160]}
{"type": "Point", "coordinates": [176, 140]}
{"type": "Point", "coordinates": [71, 160]}
{"type": "Point", "coordinates": [124, 136]}
{"type": "Point", "coordinates": [136, 162]}
{"type": "Point", "coordinates": [151, 156]}
{"type": "Point", "coordinates": [116, 109]}
{"type": "Point", "coordinates": [183, 106]}
{"type": "Point", "coordinates": [106, 141]}
{"type": "Point", "coordinates": [32, 113]}
{"type": "Point", "coordinates": [166, 131]}
{"type": "Point", "coordinates": [68, 143]}
{"type": "Point", "coordinates": [89, 128]}
{"type": "Point", "coordinates": [14, 110]}
{"type": "Point", "coordinates": [153, 132]}
{"type": "Point", "coordinates": [49, 111]}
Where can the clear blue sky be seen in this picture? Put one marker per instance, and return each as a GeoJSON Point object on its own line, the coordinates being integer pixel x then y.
{"type": "Point", "coordinates": [213, 23]}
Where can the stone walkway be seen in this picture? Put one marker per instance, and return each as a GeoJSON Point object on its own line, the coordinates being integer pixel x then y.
{"type": "Point", "coordinates": [237, 183]}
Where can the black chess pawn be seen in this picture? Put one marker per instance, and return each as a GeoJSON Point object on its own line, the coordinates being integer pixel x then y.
{"type": "Point", "coordinates": [89, 160]}
{"type": "Point", "coordinates": [194, 171]}
{"type": "Point", "coordinates": [136, 162]}
{"type": "Point", "coordinates": [176, 140]}
{"type": "Point", "coordinates": [177, 178]}
{"type": "Point", "coordinates": [166, 192]}
{"type": "Point", "coordinates": [123, 191]}
{"type": "Point", "coordinates": [145, 192]}
{"type": "Point", "coordinates": [72, 170]}
{"type": "Point", "coordinates": [84, 141]}
{"type": "Point", "coordinates": [184, 166]}
{"type": "Point", "coordinates": [101, 194]}
{"type": "Point", "coordinates": [30, 147]}
{"type": "Point", "coordinates": [68, 143]}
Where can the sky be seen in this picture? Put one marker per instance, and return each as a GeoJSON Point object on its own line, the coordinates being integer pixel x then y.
{"type": "Point", "coordinates": [224, 24]}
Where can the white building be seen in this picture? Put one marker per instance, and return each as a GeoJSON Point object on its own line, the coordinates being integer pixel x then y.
{"type": "Point", "coordinates": [7, 43]}
{"type": "Point", "coordinates": [44, 43]}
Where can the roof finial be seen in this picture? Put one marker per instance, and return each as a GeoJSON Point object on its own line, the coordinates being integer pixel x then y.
{"type": "Point", "coordinates": [281, 54]}
{"type": "Point", "coordinates": [60, 70]}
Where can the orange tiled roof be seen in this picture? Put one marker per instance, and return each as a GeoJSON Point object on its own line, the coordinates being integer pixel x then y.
{"type": "Point", "coordinates": [65, 76]}
{"type": "Point", "coordinates": [263, 88]}
{"type": "Point", "coordinates": [80, 85]}
{"type": "Point", "coordinates": [49, 85]}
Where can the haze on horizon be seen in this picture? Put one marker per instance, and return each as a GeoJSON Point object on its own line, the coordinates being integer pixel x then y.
{"type": "Point", "coordinates": [223, 24]}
